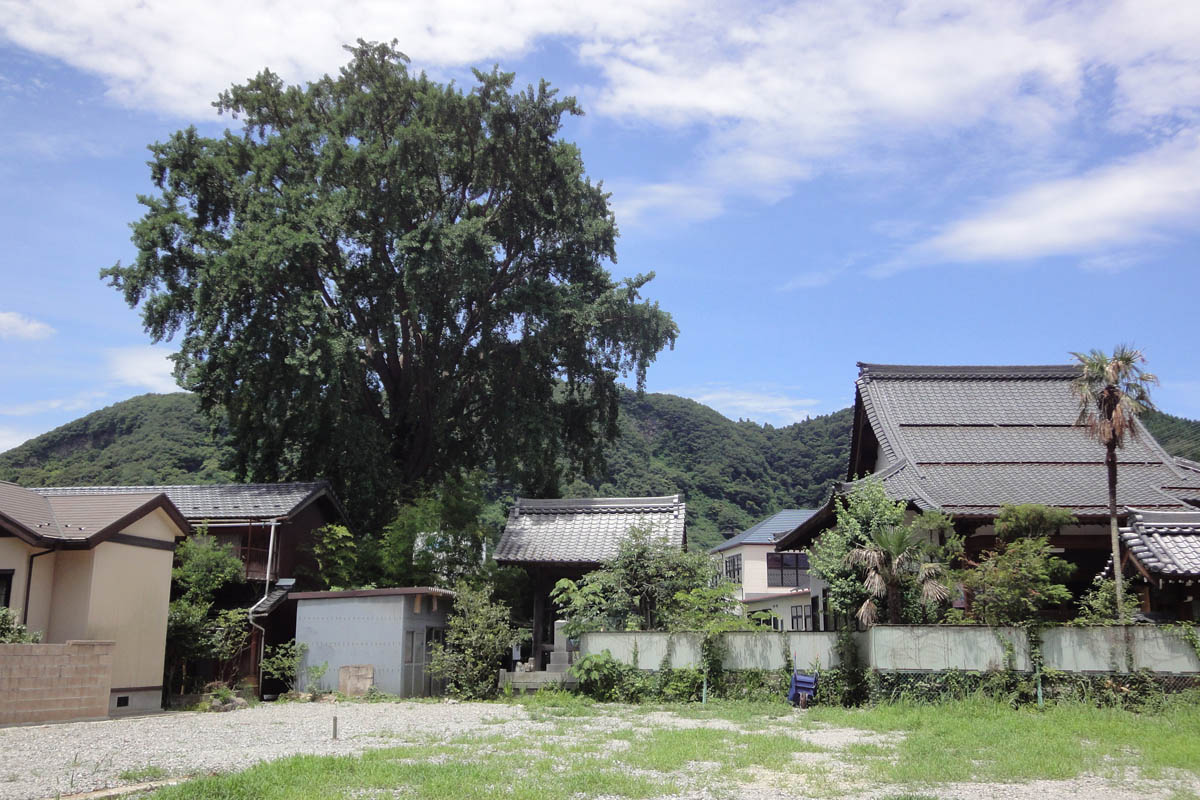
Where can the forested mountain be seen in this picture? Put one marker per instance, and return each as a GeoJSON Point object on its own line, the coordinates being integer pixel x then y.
{"type": "Point", "coordinates": [1178, 436]}
{"type": "Point", "coordinates": [152, 438]}
{"type": "Point", "coordinates": [731, 473]}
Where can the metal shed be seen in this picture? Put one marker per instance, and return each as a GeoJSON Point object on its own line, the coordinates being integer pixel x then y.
{"type": "Point", "coordinates": [393, 630]}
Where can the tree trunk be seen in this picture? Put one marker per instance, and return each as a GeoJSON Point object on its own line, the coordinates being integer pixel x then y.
{"type": "Point", "coordinates": [893, 601]}
{"type": "Point", "coordinates": [1110, 461]}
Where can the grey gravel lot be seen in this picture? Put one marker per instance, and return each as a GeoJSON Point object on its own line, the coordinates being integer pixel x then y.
{"type": "Point", "coordinates": [57, 760]}
{"type": "Point", "coordinates": [48, 760]}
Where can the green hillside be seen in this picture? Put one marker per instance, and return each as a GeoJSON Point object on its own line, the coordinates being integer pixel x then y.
{"type": "Point", "coordinates": [731, 473]}
{"type": "Point", "coordinates": [152, 438]}
{"type": "Point", "coordinates": [1178, 436]}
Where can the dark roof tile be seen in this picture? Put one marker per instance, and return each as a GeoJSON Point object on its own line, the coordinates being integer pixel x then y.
{"type": "Point", "coordinates": [584, 530]}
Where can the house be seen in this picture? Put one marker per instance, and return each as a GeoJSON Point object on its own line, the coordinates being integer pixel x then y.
{"type": "Point", "coordinates": [391, 630]}
{"type": "Point", "coordinates": [555, 539]}
{"type": "Point", "coordinates": [1162, 556]}
{"type": "Point", "coordinates": [768, 580]}
{"type": "Point", "coordinates": [270, 527]}
{"type": "Point", "coordinates": [966, 440]}
{"type": "Point", "coordinates": [81, 566]}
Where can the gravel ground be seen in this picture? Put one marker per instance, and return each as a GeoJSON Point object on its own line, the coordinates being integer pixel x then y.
{"type": "Point", "coordinates": [47, 760]}
{"type": "Point", "coordinates": [51, 760]}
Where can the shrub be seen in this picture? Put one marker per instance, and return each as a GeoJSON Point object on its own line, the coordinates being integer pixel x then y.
{"type": "Point", "coordinates": [282, 662]}
{"type": "Point", "coordinates": [478, 634]}
{"type": "Point", "coordinates": [13, 632]}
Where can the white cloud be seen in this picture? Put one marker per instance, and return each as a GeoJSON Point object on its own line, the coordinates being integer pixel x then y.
{"type": "Point", "coordinates": [768, 406]}
{"type": "Point", "coordinates": [147, 368]}
{"type": "Point", "coordinates": [1106, 208]}
{"type": "Point", "coordinates": [176, 56]}
{"type": "Point", "coordinates": [11, 437]}
{"type": "Point", "coordinates": [777, 92]}
{"type": "Point", "coordinates": [813, 279]}
{"type": "Point", "coordinates": [75, 403]}
{"type": "Point", "coordinates": [19, 326]}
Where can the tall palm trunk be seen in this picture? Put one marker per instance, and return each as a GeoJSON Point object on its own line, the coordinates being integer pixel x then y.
{"type": "Point", "coordinates": [893, 601]}
{"type": "Point", "coordinates": [1110, 461]}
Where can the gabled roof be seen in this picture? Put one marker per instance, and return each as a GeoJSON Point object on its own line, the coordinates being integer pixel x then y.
{"type": "Point", "coordinates": [1165, 543]}
{"type": "Point", "coordinates": [768, 530]}
{"type": "Point", "coordinates": [967, 440]}
{"type": "Point", "coordinates": [230, 501]}
{"type": "Point", "coordinates": [584, 531]}
{"type": "Point", "coordinates": [74, 520]}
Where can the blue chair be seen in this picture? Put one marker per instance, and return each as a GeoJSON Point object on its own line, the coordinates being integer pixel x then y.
{"type": "Point", "coordinates": [802, 689]}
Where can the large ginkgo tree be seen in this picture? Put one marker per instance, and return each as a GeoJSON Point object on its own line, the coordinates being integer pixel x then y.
{"type": "Point", "coordinates": [385, 280]}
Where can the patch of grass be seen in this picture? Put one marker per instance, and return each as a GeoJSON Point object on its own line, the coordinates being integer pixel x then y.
{"type": "Point", "coordinates": [669, 750]}
{"type": "Point", "coordinates": [150, 772]}
{"type": "Point", "coordinates": [548, 703]}
{"type": "Point", "coordinates": [979, 739]}
{"type": "Point", "coordinates": [430, 772]}
{"type": "Point", "coordinates": [739, 711]}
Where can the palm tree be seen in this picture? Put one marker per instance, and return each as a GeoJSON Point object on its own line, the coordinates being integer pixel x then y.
{"type": "Point", "coordinates": [892, 555]}
{"type": "Point", "coordinates": [1112, 392]}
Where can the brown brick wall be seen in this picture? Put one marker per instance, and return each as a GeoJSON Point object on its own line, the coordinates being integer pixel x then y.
{"type": "Point", "coordinates": [54, 682]}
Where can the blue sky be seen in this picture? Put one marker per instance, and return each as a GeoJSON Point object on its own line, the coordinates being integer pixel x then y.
{"type": "Point", "coordinates": [814, 184]}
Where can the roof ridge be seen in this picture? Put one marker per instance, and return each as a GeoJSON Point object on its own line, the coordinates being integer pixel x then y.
{"type": "Point", "coordinates": [870, 371]}
{"type": "Point", "coordinates": [165, 486]}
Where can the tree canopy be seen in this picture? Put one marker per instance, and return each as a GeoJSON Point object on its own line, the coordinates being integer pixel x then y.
{"type": "Point", "coordinates": [387, 279]}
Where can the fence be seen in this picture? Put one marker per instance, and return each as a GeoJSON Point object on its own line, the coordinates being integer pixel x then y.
{"type": "Point", "coordinates": [919, 648]}
{"type": "Point", "coordinates": [54, 682]}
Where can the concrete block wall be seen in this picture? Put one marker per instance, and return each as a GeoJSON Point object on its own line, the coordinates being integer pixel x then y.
{"type": "Point", "coordinates": [920, 648]}
{"type": "Point", "coordinates": [54, 682]}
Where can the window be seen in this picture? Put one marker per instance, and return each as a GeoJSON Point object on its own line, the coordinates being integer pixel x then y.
{"type": "Point", "coordinates": [733, 568]}
{"type": "Point", "coordinates": [787, 569]}
{"type": "Point", "coordinates": [409, 645]}
{"type": "Point", "coordinates": [6, 581]}
{"type": "Point", "coordinates": [802, 617]}
{"type": "Point", "coordinates": [433, 636]}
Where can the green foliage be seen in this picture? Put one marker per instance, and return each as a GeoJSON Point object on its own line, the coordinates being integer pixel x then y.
{"type": "Point", "coordinates": [870, 555]}
{"type": "Point", "coordinates": [891, 559]}
{"type": "Point", "coordinates": [479, 632]}
{"type": "Point", "coordinates": [282, 662]}
{"type": "Point", "coordinates": [1030, 520]}
{"type": "Point", "coordinates": [228, 638]}
{"type": "Point", "coordinates": [335, 551]}
{"type": "Point", "coordinates": [389, 279]}
{"type": "Point", "coordinates": [187, 637]}
{"type": "Point", "coordinates": [313, 674]}
{"type": "Point", "coordinates": [1098, 606]}
{"type": "Point", "coordinates": [150, 439]}
{"type": "Point", "coordinates": [601, 677]}
{"type": "Point", "coordinates": [203, 566]}
{"type": "Point", "coordinates": [13, 632]}
{"type": "Point", "coordinates": [437, 539]}
{"type": "Point", "coordinates": [1012, 584]}
{"type": "Point", "coordinates": [640, 588]}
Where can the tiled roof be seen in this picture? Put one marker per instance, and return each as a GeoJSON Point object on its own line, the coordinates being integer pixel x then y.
{"type": "Point", "coordinates": [967, 440]}
{"type": "Point", "coordinates": [584, 530]}
{"type": "Point", "coordinates": [768, 530]}
{"type": "Point", "coordinates": [970, 439]}
{"type": "Point", "coordinates": [75, 519]}
{"type": "Point", "coordinates": [1165, 543]}
{"type": "Point", "coordinates": [220, 501]}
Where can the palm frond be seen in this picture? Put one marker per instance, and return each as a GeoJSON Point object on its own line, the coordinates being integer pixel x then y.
{"type": "Point", "coordinates": [867, 613]}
